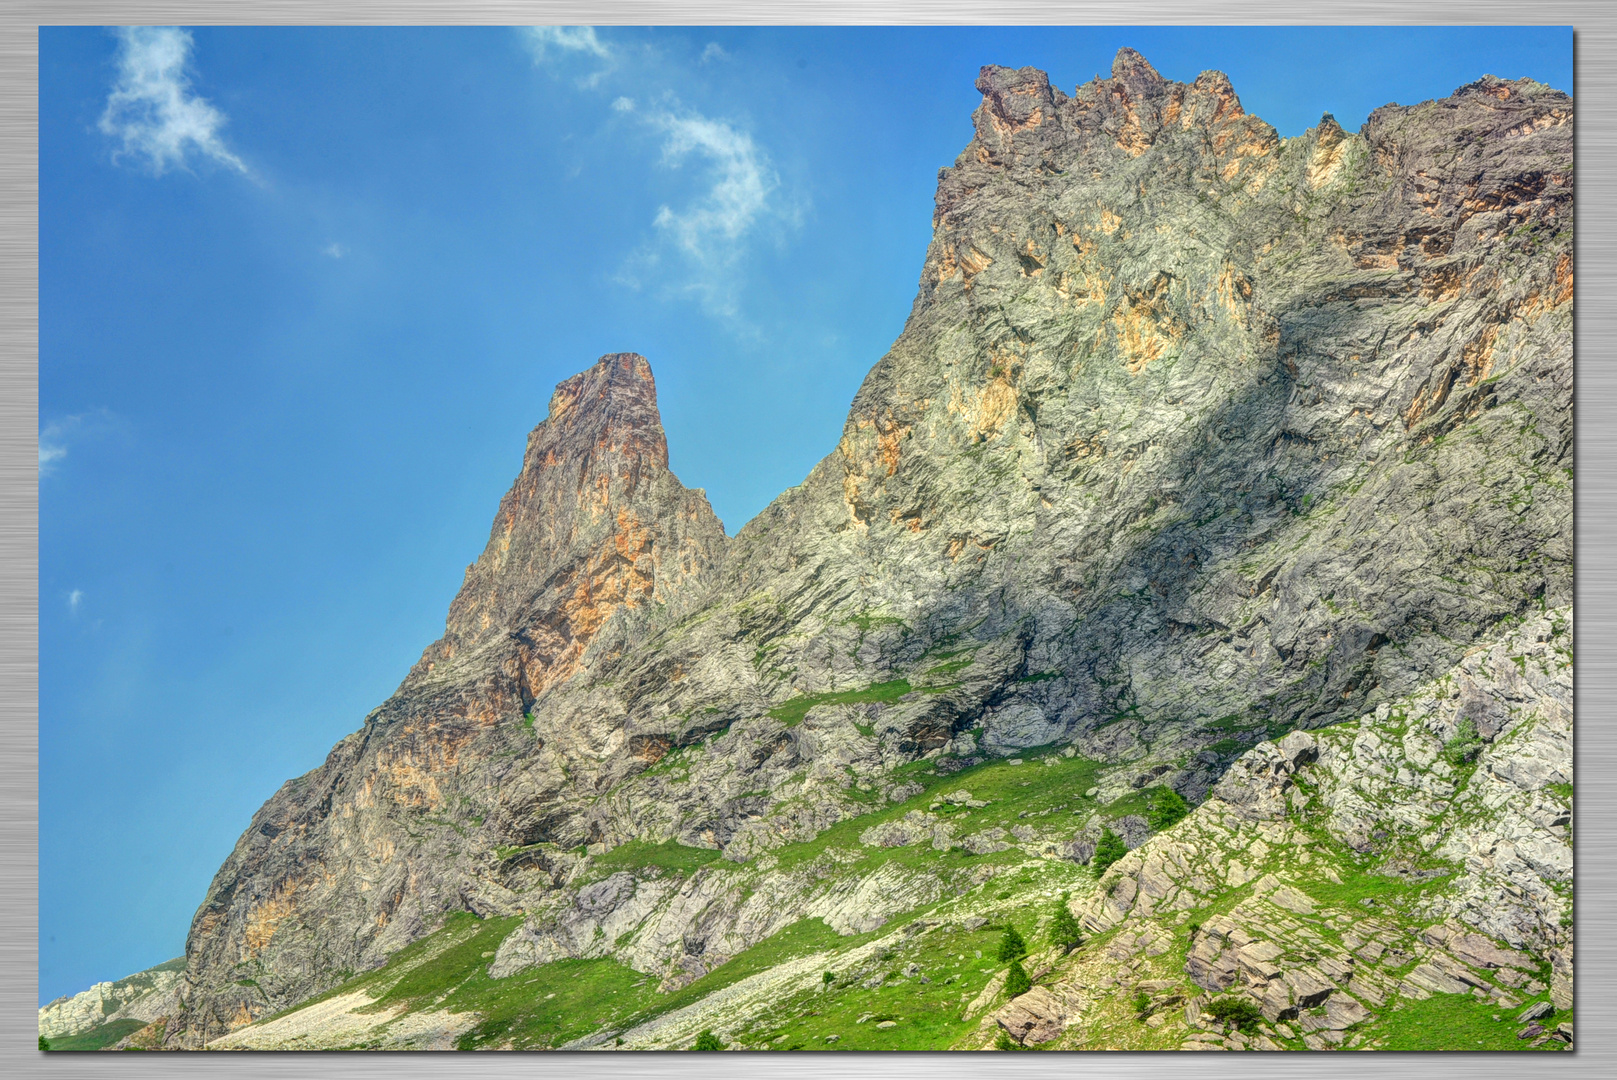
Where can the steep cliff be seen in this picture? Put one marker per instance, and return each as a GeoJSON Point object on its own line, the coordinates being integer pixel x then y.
{"type": "Point", "coordinates": [351, 861]}
{"type": "Point", "coordinates": [1195, 435]}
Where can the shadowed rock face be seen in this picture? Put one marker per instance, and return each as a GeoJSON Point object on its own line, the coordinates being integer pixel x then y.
{"type": "Point", "coordinates": [1194, 435]}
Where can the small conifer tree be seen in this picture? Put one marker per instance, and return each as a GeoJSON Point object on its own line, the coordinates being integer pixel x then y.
{"type": "Point", "coordinates": [1109, 850]}
{"type": "Point", "coordinates": [707, 1041]}
{"type": "Point", "coordinates": [1064, 929]}
{"type": "Point", "coordinates": [1011, 945]}
{"type": "Point", "coordinates": [1166, 808]}
{"type": "Point", "coordinates": [1016, 981]}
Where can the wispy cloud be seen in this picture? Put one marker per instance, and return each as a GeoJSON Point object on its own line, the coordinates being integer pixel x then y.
{"type": "Point", "coordinates": [566, 38]}
{"type": "Point", "coordinates": [73, 599]}
{"type": "Point", "coordinates": [550, 44]}
{"type": "Point", "coordinates": [55, 436]}
{"type": "Point", "coordinates": [49, 454]}
{"type": "Point", "coordinates": [698, 242]}
{"type": "Point", "coordinates": [743, 181]}
{"type": "Point", "coordinates": [53, 443]}
{"type": "Point", "coordinates": [334, 250]}
{"type": "Point", "coordinates": [152, 108]}
{"type": "Point", "coordinates": [712, 232]}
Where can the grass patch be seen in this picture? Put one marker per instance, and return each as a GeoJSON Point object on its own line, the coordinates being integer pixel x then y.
{"type": "Point", "coordinates": [1137, 803]}
{"type": "Point", "coordinates": [1456, 1022]}
{"type": "Point", "coordinates": [97, 1038]}
{"type": "Point", "coordinates": [1235, 723]}
{"type": "Point", "coordinates": [676, 758]}
{"type": "Point", "coordinates": [505, 851]}
{"type": "Point", "coordinates": [670, 855]}
{"type": "Point", "coordinates": [555, 1003]}
{"type": "Point", "coordinates": [867, 622]}
{"type": "Point", "coordinates": [542, 1007]}
{"type": "Point", "coordinates": [791, 712]}
{"type": "Point", "coordinates": [1039, 791]}
{"type": "Point", "coordinates": [926, 1015]}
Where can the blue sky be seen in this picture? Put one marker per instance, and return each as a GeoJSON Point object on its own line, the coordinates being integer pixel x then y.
{"type": "Point", "coordinates": [303, 293]}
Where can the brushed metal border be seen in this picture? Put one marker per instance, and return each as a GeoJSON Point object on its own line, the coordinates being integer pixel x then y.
{"type": "Point", "coordinates": [1596, 502]}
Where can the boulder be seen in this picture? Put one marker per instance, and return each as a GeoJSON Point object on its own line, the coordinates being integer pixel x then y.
{"type": "Point", "coordinates": [1034, 1017]}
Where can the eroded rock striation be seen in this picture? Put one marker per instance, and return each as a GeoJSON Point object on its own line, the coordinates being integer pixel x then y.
{"type": "Point", "coordinates": [1195, 435]}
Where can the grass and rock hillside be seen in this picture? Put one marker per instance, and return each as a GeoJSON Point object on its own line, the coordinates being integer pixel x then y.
{"type": "Point", "coordinates": [1399, 882]}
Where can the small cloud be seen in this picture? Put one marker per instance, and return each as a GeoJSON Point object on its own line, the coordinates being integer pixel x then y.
{"type": "Point", "coordinates": [55, 436]}
{"type": "Point", "coordinates": [743, 180]}
{"type": "Point", "coordinates": [73, 599]}
{"type": "Point", "coordinates": [542, 39]}
{"type": "Point", "coordinates": [151, 108]}
{"type": "Point", "coordinates": [550, 44]}
{"type": "Point", "coordinates": [714, 51]}
{"type": "Point", "coordinates": [623, 104]}
{"type": "Point", "coordinates": [334, 250]}
{"type": "Point", "coordinates": [711, 233]}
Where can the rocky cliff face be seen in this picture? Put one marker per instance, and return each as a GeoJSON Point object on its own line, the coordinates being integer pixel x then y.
{"type": "Point", "coordinates": [1194, 435]}
{"type": "Point", "coordinates": [349, 862]}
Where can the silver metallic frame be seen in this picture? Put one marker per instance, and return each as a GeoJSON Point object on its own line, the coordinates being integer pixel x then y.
{"type": "Point", "coordinates": [1595, 24]}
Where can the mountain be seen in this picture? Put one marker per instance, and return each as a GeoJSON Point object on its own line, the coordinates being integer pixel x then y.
{"type": "Point", "coordinates": [1195, 436]}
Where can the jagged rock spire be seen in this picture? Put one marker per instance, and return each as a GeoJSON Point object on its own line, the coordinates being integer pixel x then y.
{"type": "Point", "coordinates": [593, 522]}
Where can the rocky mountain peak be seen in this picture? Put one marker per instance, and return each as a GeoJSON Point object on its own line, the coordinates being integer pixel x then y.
{"type": "Point", "coordinates": [612, 406]}
{"type": "Point", "coordinates": [1136, 72]}
{"type": "Point", "coordinates": [1017, 97]}
{"type": "Point", "coordinates": [594, 522]}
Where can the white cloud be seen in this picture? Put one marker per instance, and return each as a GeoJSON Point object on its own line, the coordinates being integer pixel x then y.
{"type": "Point", "coordinates": [552, 43]}
{"type": "Point", "coordinates": [73, 599]}
{"type": "Point", "coordinates": [706, 239]}
{"type": "Point", "coordinates": [698, 242]}
{"type": "Point", "coordinates": [53, 442]}
{"type": "Point", "coordinates": [334, 250]}
{"type": "Point", "coordinates": [49, 454]}
{"type": "Point", "coordinates": [152, 109]}
{"type": "Point", "coordinates": [55, 436]}
{"type": "Point", "coordinates": [709, 228]}
{"type": "Point", "coordinates": [541, 39]}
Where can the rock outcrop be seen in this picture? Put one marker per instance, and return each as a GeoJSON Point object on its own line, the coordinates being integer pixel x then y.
{"type": "Point", "coordinates": [1457, 845]}
{"type": "Point", "coordinates": [1195, 435]}
{"type": "Point", "coordinates": [145, 996]}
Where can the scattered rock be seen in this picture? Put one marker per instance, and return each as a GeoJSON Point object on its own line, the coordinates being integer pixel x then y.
{"type": "Point", "coordinates": [1536, 1011]}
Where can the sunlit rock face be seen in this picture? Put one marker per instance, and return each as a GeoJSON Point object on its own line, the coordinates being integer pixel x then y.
{"type": "Point", "coordinates": [349, 862]}
{"type": "Point", "coordinates": [1194, 435]}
